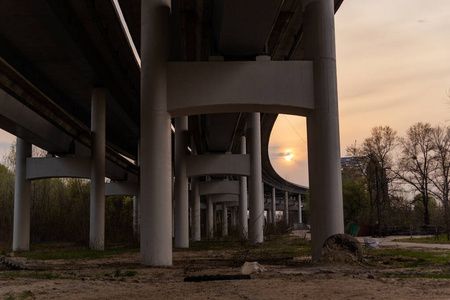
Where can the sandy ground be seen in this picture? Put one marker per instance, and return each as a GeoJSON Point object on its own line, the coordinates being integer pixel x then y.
{"type": "Point", "coordinates": [122, 277]}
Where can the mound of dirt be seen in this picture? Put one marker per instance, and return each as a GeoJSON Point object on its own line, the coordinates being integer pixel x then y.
{"type": "Point", "coordinates": [342, 248]}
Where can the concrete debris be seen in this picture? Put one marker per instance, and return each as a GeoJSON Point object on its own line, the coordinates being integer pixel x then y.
{"type": "Point", "coordinates": [21, 263]}
{"type": "Point", "coordinates": [371, 243]}
{"type": "Point", "coordinates": [252, 267]}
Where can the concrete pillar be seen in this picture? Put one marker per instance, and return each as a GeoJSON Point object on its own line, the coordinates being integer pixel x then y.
{"type": "Point", "coordinates": [155, 148]}
{"type": "Point", "coordinates": [233, 216]}
{"type": "Point", "coordinates": [136, 216]}
{"type": "Point", "coordinates": [97, 211]}
{"type": "Point", "coordinates": [196, 230]}
{"type": "Point", "coordinates": [224, 219]}
{"type": "Point", "coordinates": [256, 203]}
{"type": "Point", "coordinates": [286, 208]}
{"type": "Point", "coordinates": [181, 184]}
{"type": "Point", "coordinates": [274, 206]}
{"type": "Point", "coordinates": [300, 209]}
{"type": "Point", "coordinates": [210, 218]}
{"type": "Point", "coordinates": [136, 210]}
{"type": "Point", "coordinates": [325, 185]}
{"type": "Point", "coordinates": [269, 216]}
{"type": "Point", "coordinates": [22, 198]}
{"type": "Point", "coordinates": [214, 217]}
{"type": "Point", "coordinates": [243, 205]}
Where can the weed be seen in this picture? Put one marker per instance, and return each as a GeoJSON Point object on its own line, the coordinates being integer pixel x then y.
{"type": "Point", "coordinates": [130, 273]}
{"type": "Point", "coordinates": [118, 272]}
{"type": "Point", "coordinates": [26, 295]}
{"type": "Point", "coordinates": [10, 297]}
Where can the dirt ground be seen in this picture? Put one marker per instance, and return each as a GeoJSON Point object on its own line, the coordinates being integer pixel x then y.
{"type": "Point", "coordinates": [122, 277]}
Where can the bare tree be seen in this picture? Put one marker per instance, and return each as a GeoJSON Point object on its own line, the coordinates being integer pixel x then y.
{"type": "Point", "coordinates": [441, 176]}
{"type": "Point", "coordinates": [374, 159]}
{"type": "Point", "coordinates": [415, 164]}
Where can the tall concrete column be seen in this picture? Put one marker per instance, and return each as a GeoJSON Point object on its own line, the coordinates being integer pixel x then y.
{"type": "Point", "coordinates": [325, 185]}
{"type": "Point", "coordinates": [181, 184]}
{"type": "Point", "coordinates": [300, 209]}
{"type": "Point", "coordinates": [196, 230]}
{"type": "Point", "coordinates": [224, 219]}
{"type": "Point", "coordinates": [97, 211]}
{"type": "Point", "coordinates": [210, 218]}
{"type": "Point", "coordinates": [286, 208]}
{"type": "Point", "coordinates": [256, 203]}
{"type": "Point", "coordinates": [274, 206]}
{"type": "Point", "coordinates": [136, 210]}
{"type": "Point", "coordinates": [233, 216]}
{"type": "Point", "coordinates": [156, 153]}
{"type": "Point", "coordinates": [243, 203]}
{"type": "Point", "coordinates": [22, 198]}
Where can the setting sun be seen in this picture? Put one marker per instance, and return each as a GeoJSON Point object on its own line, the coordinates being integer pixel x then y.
{"type": "Point", "coordinates": [288, 156]}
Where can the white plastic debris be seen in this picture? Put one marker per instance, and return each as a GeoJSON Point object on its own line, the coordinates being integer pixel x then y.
{"type": "Point", "coordinates": [252, 267]}
{"type": "Point", "coordinates": [371, 243]}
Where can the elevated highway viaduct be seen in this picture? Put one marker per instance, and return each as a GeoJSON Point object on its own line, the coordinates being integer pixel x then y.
{"type": "Point", "coordinates": [142, 92]}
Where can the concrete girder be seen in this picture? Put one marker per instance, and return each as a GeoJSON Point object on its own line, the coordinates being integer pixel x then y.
{"type": "Point", "coordinates": [225, 198]}
{"type": "Point", "coordinates": [122, 188]}
{"type": "Point", "coordinates": [218, 187]}
{"type": "Point", "coordinates": [263, 86]}
{"type": "Point", "coordinates": [229, 164]}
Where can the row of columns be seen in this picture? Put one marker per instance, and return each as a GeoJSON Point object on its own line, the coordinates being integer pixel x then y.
{"type": "Point", "coordinates": [22, 196]}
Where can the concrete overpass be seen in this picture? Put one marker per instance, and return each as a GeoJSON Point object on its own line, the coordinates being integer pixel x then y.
{"type": "Point", "coordinates": [73, 86]}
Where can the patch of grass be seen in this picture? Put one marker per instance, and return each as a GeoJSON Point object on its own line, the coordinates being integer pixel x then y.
{"type": "Point", "coordinates": [26, 294]}
{"type": "Point", "coordinates": [36, 274]}
{"type": "Point", "coordinates": [71, 253]}
{"type": "Point", "coordinates": [118, 273]}
{"type": "Point", "coordinates": [9, 297]}
{"type": "Point", "coordinates": [413, 258]}
{"type": "Point", "coordinates": [441, 239]}
{"type": "Point", "coordinates": [427, 276]}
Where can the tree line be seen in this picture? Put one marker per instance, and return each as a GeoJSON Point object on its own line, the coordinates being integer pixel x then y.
{"type": "Point", "coordinates": [60, 210]}
{"type": "Point", "coordinates": [399, 182]}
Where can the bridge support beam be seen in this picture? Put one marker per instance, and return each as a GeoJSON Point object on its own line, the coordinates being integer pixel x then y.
{"type": "Point", "coordinates": [274, 207]}
{"type": "Point", "coordinates": [224, 219]}
{"type": "Point", "coordinates": [300, 209]}
{"type": "Point", "coordinates": [210, 218]}
{"type": "Point", "coordinates": [243, 201]}
{"type": "Point", "coordinates": [22, 198]}
{"type": "Point", "coordinates": [323, 126]}
{"type": "Point", "coordinates": [286, 208]}
{"type": "Point", "coordinates": [155, 146]}
{"type": "Point", "coordinates": [196, 229]}
{"type": "Point", "coordinates": [136, 207]}
{"type": "Point", "coordinates": [97, 211]}
{"type": "Point", "coordinates": [256, 192]}
{"type": "Point", "coordinates": [181, 185]}
{"type": "Point", "coordinates": [233, 216]}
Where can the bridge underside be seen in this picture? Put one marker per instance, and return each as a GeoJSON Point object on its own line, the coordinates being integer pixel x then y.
{"type": "Point", "coordinates": [67, 65]}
